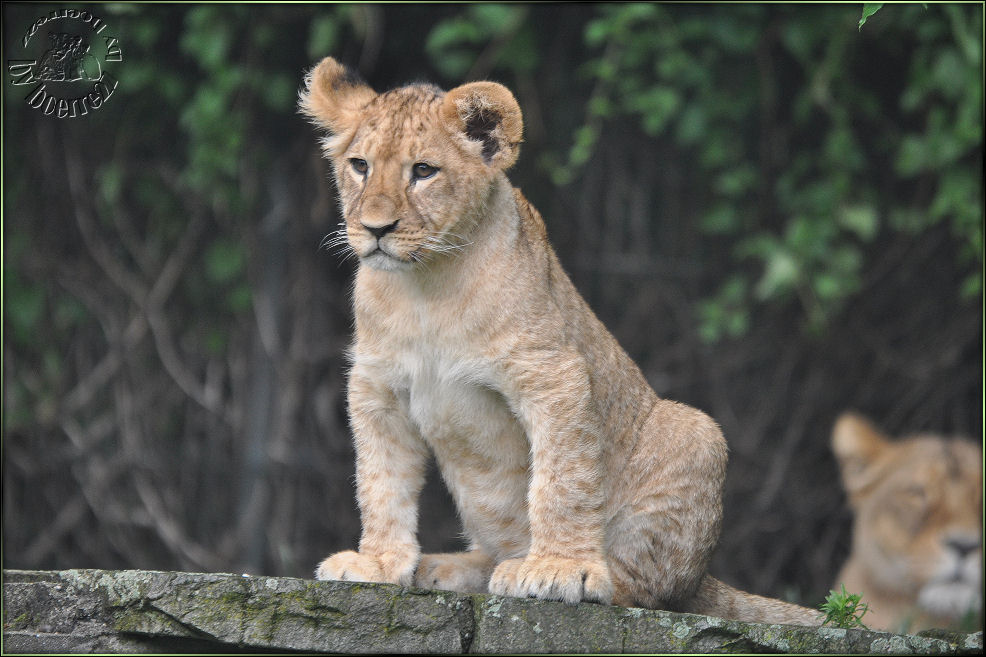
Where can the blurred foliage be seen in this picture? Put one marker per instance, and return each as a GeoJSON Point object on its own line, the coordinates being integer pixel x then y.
{"type": "Point", "coordinates": [807, 155]}
{"type": "Point", "coordinates": [207, 82]}
{"type": "Point", "coordinates": [483, 35]}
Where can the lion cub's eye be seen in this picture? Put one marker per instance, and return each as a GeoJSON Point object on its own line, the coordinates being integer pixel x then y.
{"type": "Point", "coordinates": [420, 171]}
{"type": "Point", "coordinates": [359, 166]}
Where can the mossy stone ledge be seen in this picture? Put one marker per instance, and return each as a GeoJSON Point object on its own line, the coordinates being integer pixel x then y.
{"type": "Point", "coordinates": [148, 611]}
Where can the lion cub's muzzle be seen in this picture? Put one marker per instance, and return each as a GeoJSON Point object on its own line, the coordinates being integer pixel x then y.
{"type": "Point", "coordinates": [370, 240]}
{"type": "Point", "coordinates": [378, 231]}
{"type": "Point", "coordinates": [374, 250]}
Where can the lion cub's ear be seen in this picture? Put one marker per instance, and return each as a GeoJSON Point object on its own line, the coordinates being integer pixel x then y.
{"type": "Point", "coordinates": [487, 120]}
{"type": "Point", "coordinates": [333, 97]}
{"type": "Point", "coordinates": [857, 445]}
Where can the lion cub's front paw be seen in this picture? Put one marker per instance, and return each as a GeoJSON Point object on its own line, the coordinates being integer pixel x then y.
{"type": "Point", "coordinates": [388, 568]}
{"type": "Point", "coordinates": [553, 578]}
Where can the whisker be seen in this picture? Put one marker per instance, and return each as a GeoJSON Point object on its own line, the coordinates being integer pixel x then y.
{"type": "Point", "coordinates": [443, 245]}
{"type": "Point", "coordinates": [335, 238]}
{"type": "Point", "coordinates": [337, 244]}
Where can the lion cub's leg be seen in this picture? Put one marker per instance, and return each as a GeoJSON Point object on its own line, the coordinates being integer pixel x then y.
{"type": "Point", "coordinates": [669, 511]}
{"type": "Point", "coordinates": [390, 462]}
{"type": "Point", "coordinates": [465, 572]}
{"type": "Point", "coordinates": [565, 499]}
{"type": "Point", "coordinates": [485, 469]}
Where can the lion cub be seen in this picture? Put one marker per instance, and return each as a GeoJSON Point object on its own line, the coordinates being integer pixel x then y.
{"type": "Point", "coordinates": [916, 547]}
{"type": "Point", "coordinates": [573, 480]}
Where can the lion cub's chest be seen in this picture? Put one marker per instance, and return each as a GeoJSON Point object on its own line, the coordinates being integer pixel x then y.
{"type": "Point", "coordinates": [435, 360]}
{"type": "Point", "coordinates": [450, 397]}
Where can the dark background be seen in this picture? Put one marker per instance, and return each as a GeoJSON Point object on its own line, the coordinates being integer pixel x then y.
{"type": "Point", "coordinates": [777, 213]}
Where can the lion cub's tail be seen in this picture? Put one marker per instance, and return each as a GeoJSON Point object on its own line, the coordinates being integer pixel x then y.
{"type": "Point", "coordinates": [714, 598]}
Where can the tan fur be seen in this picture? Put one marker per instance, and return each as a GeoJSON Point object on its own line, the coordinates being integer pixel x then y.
{"type": "Point", "coordinates": [916, 549]}
{"type": "Point", "coordinates": [573, 480]}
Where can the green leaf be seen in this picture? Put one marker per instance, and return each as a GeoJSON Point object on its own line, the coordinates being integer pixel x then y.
{"type": "Point", "coordinates": [24, 304]}
{"type": "Point", "coordinates": [585, 144]}
{"type": "Point", "coordinates": [828, 287]}
{"type": "Point", "coordinates": [869, 8]}
{"type": "Point", "coordinates": [497, 19]}
{"type": "Point", "coordinates": [451, 33]}
{"type": "Point", "coordinates": [521, 52]}
{"type": "Point", "coordinates": [949, 73]}
{"type": "Point", "coordinates": [208, 38]}
{"type": "Point", "coordinates": [692, 124]}
{"type": "Point", "coordinates": [143, 33]}
{"type": "Point", "coordinates": [240, 298]}
{"type": "Point", "coordinates": [225, 261]}
{"type": "Point", "coordinates": [909, 220]}
{"type": "Point", "coordinates": [111, 183]}
{"type": "Point", "coordinates": [781, 275]}
{"type": "Point", "coordinates": [972, 287]}
{"type": "Point", "coordinates": [216, 341]}
{"type": "Point", "coordinates": [723, 219]}
{"type": "Point", "coordinates": [913, 156]}
{"type": "Point", "coordinates": [726, 314]}
{"type": "Point", "coordinates": [69, 313]}
{"type": "Point", "coordinates": [844, 264]}
{"type": "Point", "coordinates": [600, 106]}
{"type": "Point", "coordinates": [842, 150]}
{"type": "Point", "coordinates": [860, 219]}
{"type": "Point", "coordinates": [596, 32]}
{"type": "Point", "coordinates": [277, 91]}
{"type": "Point", "coordinates": [964, 32]}
{"type": "Point", "coordinates": [736, 181]}
{"type": "Point", "coordinates": [323, 36]}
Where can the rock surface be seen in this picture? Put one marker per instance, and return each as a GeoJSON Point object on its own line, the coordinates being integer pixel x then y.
{"type": "Point", "coordinates": [147, 611]}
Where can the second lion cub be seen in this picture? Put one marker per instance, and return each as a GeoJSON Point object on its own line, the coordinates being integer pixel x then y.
{"type": "Point", "coordinates": [573, 480]}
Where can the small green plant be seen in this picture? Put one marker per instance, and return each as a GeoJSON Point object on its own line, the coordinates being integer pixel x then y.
{"type": "Point", "coordinates": [844, 610]}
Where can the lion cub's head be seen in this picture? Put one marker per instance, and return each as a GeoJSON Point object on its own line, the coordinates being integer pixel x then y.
{"type": "Point", "coordinates": [918, 522]}
{"type": "Point", "coordinates": [414, 165]}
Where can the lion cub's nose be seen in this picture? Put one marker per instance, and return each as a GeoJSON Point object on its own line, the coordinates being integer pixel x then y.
{"type": "Point", "coordinates": [963, 544]}
{"type": "Point", "coordinates": [380, 231]}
